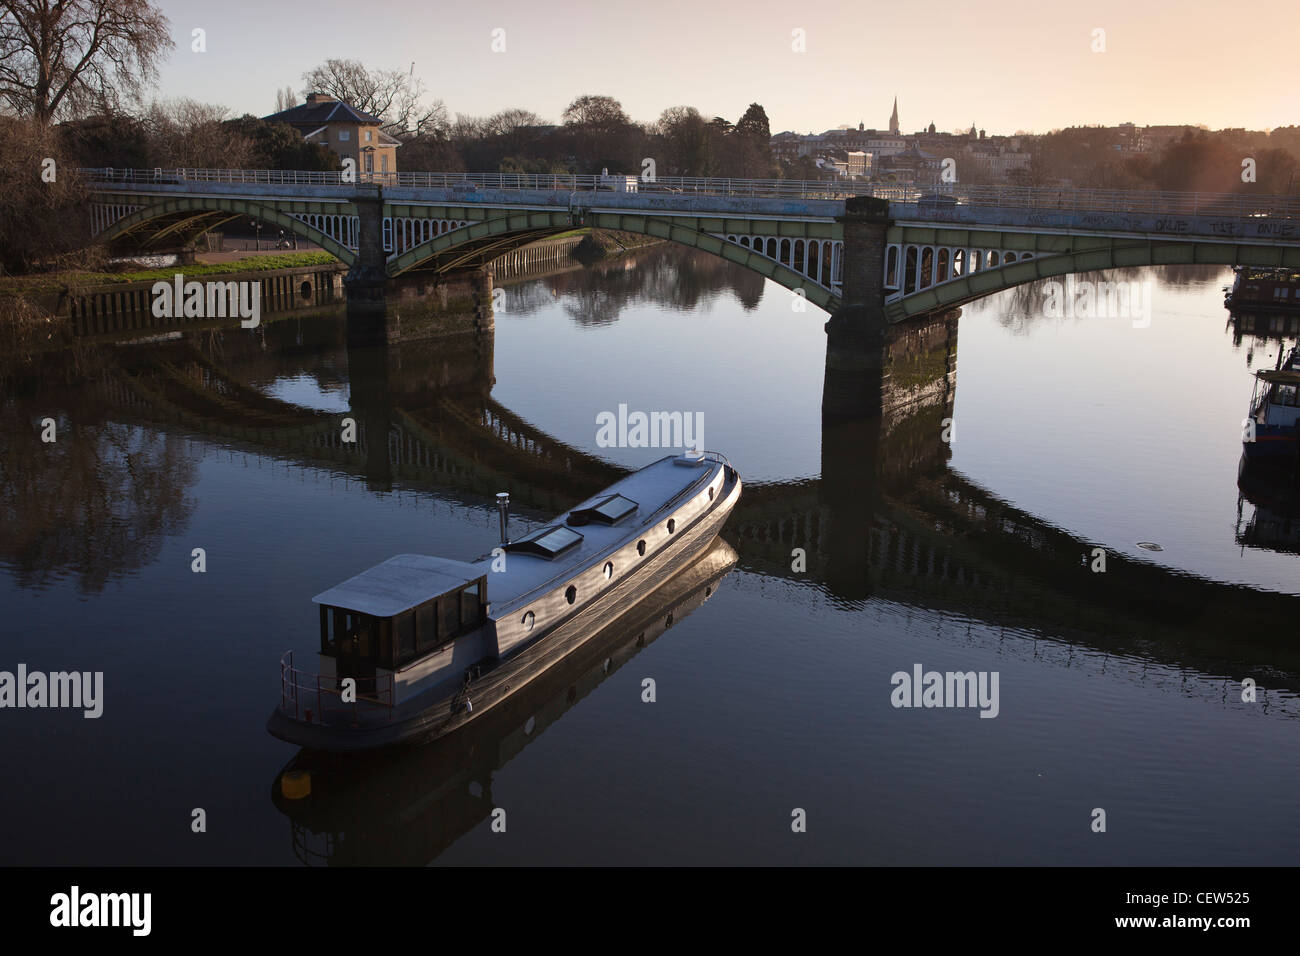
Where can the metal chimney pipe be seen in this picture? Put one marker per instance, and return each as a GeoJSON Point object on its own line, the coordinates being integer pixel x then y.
{"type": "Point", "coordinates": [503, 509]}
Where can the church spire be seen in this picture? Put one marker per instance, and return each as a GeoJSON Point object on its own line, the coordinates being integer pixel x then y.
{"type": "Point", "coordinates": [893, 117]}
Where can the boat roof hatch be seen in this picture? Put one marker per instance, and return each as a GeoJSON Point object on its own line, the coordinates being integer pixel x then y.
{"type": "Point", "coordinates": [547, 543]}
{"type": "Point", "coordinates": [608, 510]}
{"type": "Point", "coordinates": [399, 584]}
{"type": "Point", "coordinates": [1285, 375]}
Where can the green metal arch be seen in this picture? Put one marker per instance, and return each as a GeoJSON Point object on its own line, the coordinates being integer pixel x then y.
{"type": "Point", "coordinates": [528, 224]}
{"type": "Point", "coordinates": [1112, 256]}
{"type": "Point", "coordinates": [675, 230]}
{"type": "Point", "coordinates": [243, 207]}
{"type": "Point", "coordinates": [543, 223]}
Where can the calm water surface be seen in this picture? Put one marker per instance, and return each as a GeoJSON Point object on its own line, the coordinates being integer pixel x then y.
{"type": "Point", "coordinates": [773, 688]}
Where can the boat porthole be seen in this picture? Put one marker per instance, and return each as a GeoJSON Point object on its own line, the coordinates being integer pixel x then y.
{"type": "Point", "coordinates": [640, 548]}
{"type": "Point", "coordinates": [529, 620]}
{"type": "Point", "coordinates": [672, 525]}
{"type": "Point", "coordinates": [609, 570]}
{"type": "Point", "coordinates": [571, 594]}
{"type": "Point", "coordinates": [710, 494]}
{"type": "Point", "coordinates": [528, 727]}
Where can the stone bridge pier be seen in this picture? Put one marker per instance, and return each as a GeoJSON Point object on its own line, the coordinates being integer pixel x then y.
{"type": "Point", "coordinates": [855, 334]}
{"type": "Point", "coordinates": [416, 305]}
{"type": "Point", "coordinates": [876, 369]}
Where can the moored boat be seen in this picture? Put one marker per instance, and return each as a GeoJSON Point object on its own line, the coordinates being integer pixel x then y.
{"type": "Point", "coordinates": [417, 646]}
{"type": "Point", "coordinates": [1263, 289]}
{"type": "Point", "coordinates": [383, 807]}
{"type": "Point", "coordinates": [1274, 411]}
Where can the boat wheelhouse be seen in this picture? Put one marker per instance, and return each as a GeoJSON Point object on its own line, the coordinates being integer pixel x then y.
{"type": "Point", "coordinates": [415, 646]}
{"type": "Point", "coordinates": [1275, 411]}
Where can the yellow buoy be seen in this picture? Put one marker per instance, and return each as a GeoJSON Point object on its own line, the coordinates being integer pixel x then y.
{"type": "Point", "coordinates": [295, 784]}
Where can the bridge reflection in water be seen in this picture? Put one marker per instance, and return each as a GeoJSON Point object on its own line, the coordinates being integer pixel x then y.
{"type": "Point", "coordinates": [887, 519]}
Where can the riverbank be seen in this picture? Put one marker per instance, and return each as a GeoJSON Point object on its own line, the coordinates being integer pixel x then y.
{"type": "Point", "coordinates": [67, 282]}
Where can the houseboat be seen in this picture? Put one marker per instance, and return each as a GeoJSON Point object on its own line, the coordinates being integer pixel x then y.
{"type": "Point", "coordinates": [1275, 410]}
{"type": "Point", "coordinates": [1263, 289]}
{"type": "Point", "coordinates": [387, 808]}
{"type": "Point", "coordinates": [417, 646]}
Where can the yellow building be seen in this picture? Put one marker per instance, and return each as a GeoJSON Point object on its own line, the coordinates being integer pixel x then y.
{"type": "Point", "coordinates": [347, 132]}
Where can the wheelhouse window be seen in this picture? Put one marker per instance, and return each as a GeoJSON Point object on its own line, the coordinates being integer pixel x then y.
{"type": "Point", "coordinates": [1284, 395]}
{"type": "Point", "coordinates": [346, 632]}
{"type": "Point", "coordinates": [404, 625]}
{"type": "Point", "coordinates": [438, 622]}
{"type": "Point", "coordinates": [469, 607]}
{"type": "Point", "coordinates": [426, 617]}
{"type": "Point", "coordinates": [610, 510]}
{"type": "Point", "coordinates": [547, 543]}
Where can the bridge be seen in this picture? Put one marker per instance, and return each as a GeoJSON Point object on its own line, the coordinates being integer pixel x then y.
{"type": "Point", "coordinates": [902, 250]}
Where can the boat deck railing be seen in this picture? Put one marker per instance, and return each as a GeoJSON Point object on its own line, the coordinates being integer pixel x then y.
{"type": "Point", "coordinates": [309, 697]}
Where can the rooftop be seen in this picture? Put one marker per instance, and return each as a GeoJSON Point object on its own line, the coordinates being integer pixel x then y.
{"type": "Point", "coordinates": [319, 109]}
{"type": "Point", "coordinates": [399, 584]}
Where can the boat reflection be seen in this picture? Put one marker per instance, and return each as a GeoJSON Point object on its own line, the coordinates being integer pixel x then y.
{"type": "Point", "coordinates": [1273, 488]}
{"type": "Point", "coordinates": [406, 806]}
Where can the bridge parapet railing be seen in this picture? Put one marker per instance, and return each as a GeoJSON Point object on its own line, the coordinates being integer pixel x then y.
{"type": "Point", "coordinates": [941, 197]}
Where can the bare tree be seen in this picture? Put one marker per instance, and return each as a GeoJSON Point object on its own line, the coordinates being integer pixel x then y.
{"type": "Point", "coordinates": [397, 98]}
{"type": "Point", "coordinates": [43, 205]}
{"type": "Point", "coordinates": [62, 56]}
{"type": "Point", "coordinates": [188, 134]}
{"type": "Point", "coordinates": [285, 99]}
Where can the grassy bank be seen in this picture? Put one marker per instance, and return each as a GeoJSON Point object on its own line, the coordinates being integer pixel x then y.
{"type": "Point", "coordinates": [59, 281]}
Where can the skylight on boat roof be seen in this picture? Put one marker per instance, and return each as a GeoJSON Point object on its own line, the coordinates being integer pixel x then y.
{"type": "Point", "coordinates": [610, 510]}
{"type": "Point", "coordinates": [547, 543]}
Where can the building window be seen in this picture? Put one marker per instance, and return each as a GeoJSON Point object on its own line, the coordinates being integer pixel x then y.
{"type": "Point", "coordinates": [367, 136]}
{"type": "Point", "coordinates": [343, 135]}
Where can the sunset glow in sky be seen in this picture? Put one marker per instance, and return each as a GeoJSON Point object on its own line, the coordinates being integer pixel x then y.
{"type": "Point", "coordinates": [1005, 66]}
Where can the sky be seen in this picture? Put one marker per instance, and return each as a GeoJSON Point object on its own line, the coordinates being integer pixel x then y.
{"type": "Point", "coordinates": [1004, 66]}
